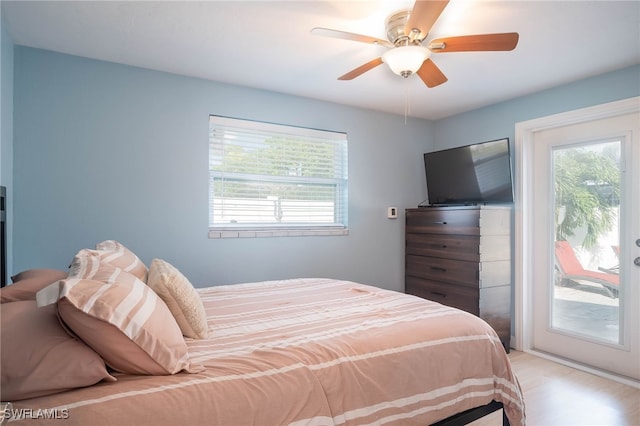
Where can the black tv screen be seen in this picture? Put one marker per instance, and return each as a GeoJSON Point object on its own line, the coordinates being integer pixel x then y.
{"type": "Point", "coordinates": [472, 174]}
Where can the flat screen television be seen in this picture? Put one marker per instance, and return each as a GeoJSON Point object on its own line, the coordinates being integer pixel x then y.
{"type": "Point", "coordinates": [474, 174]}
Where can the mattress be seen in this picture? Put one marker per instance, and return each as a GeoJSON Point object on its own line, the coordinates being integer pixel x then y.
{"type": "Point", "coordinates": [308, 352]}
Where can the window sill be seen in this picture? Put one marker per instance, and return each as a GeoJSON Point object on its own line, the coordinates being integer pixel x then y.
{"type": "Point", "coordinates": [265, 233]}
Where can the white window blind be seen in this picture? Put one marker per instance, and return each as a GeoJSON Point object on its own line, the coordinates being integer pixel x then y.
{"type": "Point", "coordinates": [273, 180]}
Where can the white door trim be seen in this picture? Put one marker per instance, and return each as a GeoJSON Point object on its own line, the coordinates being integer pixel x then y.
{"type": "Point", "coordinates": [524, 211]}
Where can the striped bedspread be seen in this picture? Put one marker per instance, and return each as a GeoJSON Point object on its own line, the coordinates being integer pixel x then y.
{"type": "Point", "coordinates": [310, 352]}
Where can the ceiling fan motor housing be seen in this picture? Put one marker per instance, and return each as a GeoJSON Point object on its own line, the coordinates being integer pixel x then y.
{"type": "Point", "coordinates": [407, 55]}
{"type": "Point", "coordinates": [395, 27]}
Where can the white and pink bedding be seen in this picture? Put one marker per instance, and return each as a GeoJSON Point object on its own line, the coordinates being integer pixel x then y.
{"type": "Point", "coordinates": [307, 352]}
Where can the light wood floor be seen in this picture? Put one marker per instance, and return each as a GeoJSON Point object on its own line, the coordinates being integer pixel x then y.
{"type": "Point", "coordinates": [556, 395]}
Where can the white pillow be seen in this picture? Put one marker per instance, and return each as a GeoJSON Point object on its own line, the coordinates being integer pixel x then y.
{"type": "Point", "coordinates": [183, 300]}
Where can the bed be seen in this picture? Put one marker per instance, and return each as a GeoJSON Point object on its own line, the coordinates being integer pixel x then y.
{"type": "Point", "coordinates": [312, 351]}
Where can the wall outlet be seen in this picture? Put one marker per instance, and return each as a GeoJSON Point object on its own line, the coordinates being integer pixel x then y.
{"type": "Point", "coordinates": [392, 212]}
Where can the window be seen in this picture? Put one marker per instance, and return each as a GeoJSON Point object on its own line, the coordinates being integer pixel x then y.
{"type": "Point", "coordinates": [274, 180]}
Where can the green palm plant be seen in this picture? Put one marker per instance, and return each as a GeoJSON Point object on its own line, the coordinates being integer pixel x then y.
{"type": "Point", "coordinates": [587, 190]}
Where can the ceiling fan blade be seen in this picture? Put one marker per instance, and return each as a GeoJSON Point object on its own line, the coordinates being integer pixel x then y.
{"type": "Point", "coordinates": [431, 74]}
{"type": "Point", "coordinates": [361, 69]}
{"type": "Point", "coordinates": [423, 16]}
{"type": "Point", "coordinates": [471, 43]}
{"type": "Point", "coordinates": [326, 32]}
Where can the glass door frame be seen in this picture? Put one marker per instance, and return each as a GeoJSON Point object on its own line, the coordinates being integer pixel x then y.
{"type": "Point", "coordinates": [524, 212]}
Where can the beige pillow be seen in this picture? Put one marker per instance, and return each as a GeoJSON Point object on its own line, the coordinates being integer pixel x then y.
{"type": "Point", "coordinates": [27, 283]}
{"type": "Point", "coordinates": [183, 300]}
{"type": "Point", "coordinates": [126, 323]}
{"type": "Point", "coordinates": [114, 253]}
{"type": "Point", "coordinates": [38, 357]}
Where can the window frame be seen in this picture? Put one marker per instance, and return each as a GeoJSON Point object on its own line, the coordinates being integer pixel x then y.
{"type": "Point", "coordinates": [339, 226]}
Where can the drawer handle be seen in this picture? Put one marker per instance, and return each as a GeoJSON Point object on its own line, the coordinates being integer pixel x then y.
{"type": "Point", "coordinates": [438, 246]}
{"type": "Point", "coordinates": [440, 223]}
{"type": "Point", "coordinates": [437, 268]}
{"type": "Point", "coordinates": [437, 293]}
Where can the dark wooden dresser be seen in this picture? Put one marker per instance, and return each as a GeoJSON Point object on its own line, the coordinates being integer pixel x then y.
{"type": "Point", "coordinates": [461, 257]}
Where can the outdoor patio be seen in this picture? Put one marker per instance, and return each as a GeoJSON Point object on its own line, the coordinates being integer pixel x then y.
{"type": "Point", "coordinates": [586, 308]}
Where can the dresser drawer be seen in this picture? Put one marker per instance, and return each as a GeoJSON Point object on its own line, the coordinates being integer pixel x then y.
{"type": "Point", "coordinates": [464, 298]}
{"type": "Point", "coordinates": [458, 247]}
{"type": "Point", "coordinates": [443, 221]}
{"type": "Point", "coordinates": [457, 272]}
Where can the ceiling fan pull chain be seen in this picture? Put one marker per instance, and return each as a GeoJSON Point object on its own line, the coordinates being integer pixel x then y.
{"type": "Point", "coordinates": [407, 100]}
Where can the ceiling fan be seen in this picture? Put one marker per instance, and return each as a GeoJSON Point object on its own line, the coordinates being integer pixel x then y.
{"type": "Point", "coordinates": [406, 31]}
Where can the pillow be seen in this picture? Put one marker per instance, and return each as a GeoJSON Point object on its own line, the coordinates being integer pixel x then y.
{"type": "Point", "coordinates": [40, 273]}
{"type": "Point", "coordinates": [38, 357]}
{"type": "Point", "coordinates": [27, 283]}
{"type": "Point", "coordinates": [183, 300]}
{"type": "Point", "coordinates": [126, 323]}
{"type": "Point", "coordinates": [85, 265]}
{"type": "Point", "coordinates": [114, 253]}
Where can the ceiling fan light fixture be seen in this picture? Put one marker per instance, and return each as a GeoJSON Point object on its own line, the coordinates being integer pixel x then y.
{"type": "Point", "coordinates": [405, 60]}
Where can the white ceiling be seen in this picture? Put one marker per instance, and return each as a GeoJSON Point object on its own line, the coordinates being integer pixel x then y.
{"type": "Point", "coordinates": [267, 45]}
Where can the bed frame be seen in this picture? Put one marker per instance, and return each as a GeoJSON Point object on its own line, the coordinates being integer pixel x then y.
{"type": "Point", "coordinates": [472, 415]}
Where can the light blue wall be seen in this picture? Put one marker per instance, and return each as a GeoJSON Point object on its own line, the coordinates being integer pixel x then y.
{"type": "Point", "coordinates": [6, 130]}
{"type": "Point", "coordinates": [108, 151]}
{"type": "Point", "coordinates": [105, 151]}
{"type": "Point", "coordinates": [498, 120]}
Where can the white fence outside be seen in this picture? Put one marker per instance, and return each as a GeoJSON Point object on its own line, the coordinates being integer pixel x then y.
{"type": "Point", "coordinates": [230, 211]}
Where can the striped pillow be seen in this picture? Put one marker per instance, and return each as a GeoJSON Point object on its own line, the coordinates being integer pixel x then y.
{"type": "Point", "coordinates": [116, 254]}
{"type": "Point", "coordinates": [126, 323]}
{"type": "Point", "coordinates": [88, 266]}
